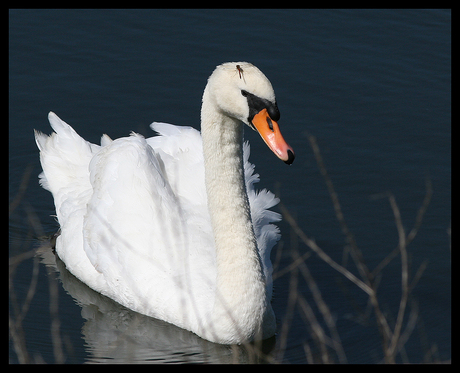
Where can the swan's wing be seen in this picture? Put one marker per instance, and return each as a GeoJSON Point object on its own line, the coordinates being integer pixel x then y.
{"type": "Point", "coordinates": [145, 231]}
{"type": "Point", "coordinates": [181, 150]}
{"type": "Point", "coordinates": [128, 216]}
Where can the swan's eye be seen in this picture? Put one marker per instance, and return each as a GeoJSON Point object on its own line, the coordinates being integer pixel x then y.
{"type": "Point", "coordinates": [244, 93]}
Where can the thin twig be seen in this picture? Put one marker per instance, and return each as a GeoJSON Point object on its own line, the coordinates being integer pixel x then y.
{"type": "Point", "coordinates": [325, 312]}
{"type": "Point", "coordinates": [413, 232]}
{"type": "Point", "coordinates": [312, 245]}
{"type": "Point", "coordinates": [404, 279]}
{"type": "Point", "coordinates": [393, 341]}
{"type": "Point", "coordinates": [354, 251]}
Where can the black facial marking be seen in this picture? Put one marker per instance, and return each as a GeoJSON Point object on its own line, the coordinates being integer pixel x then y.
{"type": "Point", "coordinates": [257, 104]}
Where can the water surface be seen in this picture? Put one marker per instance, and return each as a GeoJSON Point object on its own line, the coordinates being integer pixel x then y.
{"type": "Point", "coordinates": [373, 87]}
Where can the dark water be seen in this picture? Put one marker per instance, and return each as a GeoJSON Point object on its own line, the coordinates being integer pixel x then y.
{"type": "Point", "coordinates": [374, 88]}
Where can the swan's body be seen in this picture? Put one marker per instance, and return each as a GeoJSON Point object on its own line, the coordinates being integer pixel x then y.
{"type": "Point", "coordinates": [171, 226]}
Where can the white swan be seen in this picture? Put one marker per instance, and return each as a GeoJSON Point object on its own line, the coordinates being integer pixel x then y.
{"type": "Point", "coordinates": [171, 226]}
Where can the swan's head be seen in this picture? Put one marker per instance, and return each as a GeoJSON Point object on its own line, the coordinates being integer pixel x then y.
{"type": "Point", "coordinates": [241, 91]}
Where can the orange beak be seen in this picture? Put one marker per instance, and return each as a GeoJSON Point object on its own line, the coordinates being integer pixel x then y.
{"type": "Point", "coordinates": [270, 132]}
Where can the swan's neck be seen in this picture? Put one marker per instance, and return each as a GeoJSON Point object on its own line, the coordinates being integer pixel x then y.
{"type": "Point", "coordinates": [240, 294]}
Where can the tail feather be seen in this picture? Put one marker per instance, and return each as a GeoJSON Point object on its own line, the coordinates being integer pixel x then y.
{"type": "Point", "coordinates": [65, 158]}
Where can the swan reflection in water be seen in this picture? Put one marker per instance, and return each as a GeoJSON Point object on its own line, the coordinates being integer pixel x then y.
{"type": "Point", "coordinates": [115, 334]}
